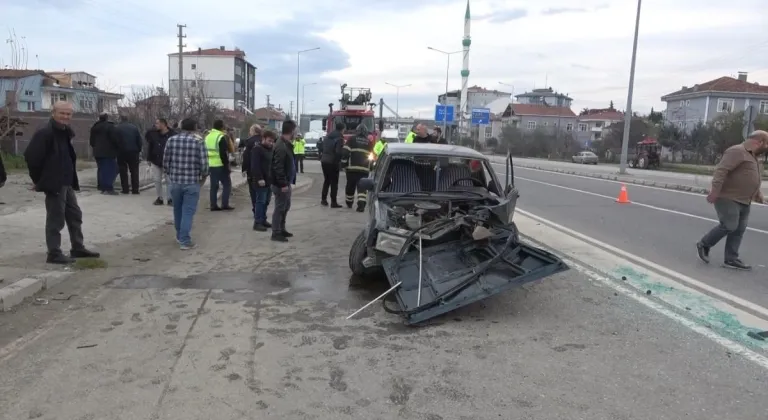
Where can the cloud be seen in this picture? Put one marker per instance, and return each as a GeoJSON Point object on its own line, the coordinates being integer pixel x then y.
{"type": "Point", "coordinates": [369, 43]}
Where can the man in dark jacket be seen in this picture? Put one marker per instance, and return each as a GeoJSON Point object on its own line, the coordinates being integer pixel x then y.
{"type": "Point", "coordinates": [330, 161]}
{"type": "Point", "coordinates": [356, 162]}
{"type": "Point", "coordinates": [246, 148]}
{"type": "Point", "coordinates": [3, 174]}
{"type": "Point", "coordinates": [260, 178]}
{"type": "Point", "coordinates": [157, 137]}
{"type": "Point", "coordinates": [104, 142]}
{"type": "Point", "coordinates": [422, 136]}
{"type": "Point", "coordinates": [129, 156]}
{"type": "Point", "coordinates": [51, 161]}
{"type": "Point", "coordinates": [283, 174]}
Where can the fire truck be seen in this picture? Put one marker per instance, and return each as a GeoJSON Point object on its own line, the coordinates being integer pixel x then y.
{"type": "Point", "coordinates": [355, 108]}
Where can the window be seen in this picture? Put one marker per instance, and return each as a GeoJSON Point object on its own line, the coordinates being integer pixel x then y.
{"type": "Point", "coordinates": [599, 124]}
{"type": "Point", "coordinates": [531, 125]}
{"type": "Point", "coordinates": [763, 107]}
{"type": "Point", "coordinates": [569, 127]}
{"type": "Point", "coordinates": [582, 127]}
{"type": "Point", "coordinates": [725, 105]}
{"type": "Point", "coordinates": [29, 93]}
{"type": "Point", "coordinates": [682, 104]}
{"type": "Point", "coordinates": [546, 123]}
{"type": "Point", "coordinates": [687, 102]}
{"type": "Point", "coordinates": [194, 66]}
{"type": "Point", "coordinates": [30, 106]}
{"type": "Point", "coordinates": [488, 132]}
{"type": "Point", "coordinates": [55, 97]}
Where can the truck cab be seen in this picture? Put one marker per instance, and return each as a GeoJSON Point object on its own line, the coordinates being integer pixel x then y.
{"type": "Point", "coordinates": [354, 109]}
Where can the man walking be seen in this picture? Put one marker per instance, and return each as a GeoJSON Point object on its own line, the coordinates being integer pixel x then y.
{"type": "Point", "coordinates": [104, 142]}
{"type": "Point", "coordinates": [260, 179]}
{"type": "Point", "coordinates": [283, 174]}
{"type": "Point", "coordinates": [157, 137]}
{"type": "Point", "coordinates": [185, 162]}
{"type": "Point", "coordinates": [357, 166]}
{"type": "Point", "coordinates": [51, 161]}
{"type": "Point", "coordinates": [128, 156]}
{"type": "Point", "coordinates": [217, 145]}
{"type": "Point", "coordinates": [298, 151]}
{"type": "Point", "coordinates": [330, 162]}
{"type": "Point", "coordinates": [735, 184]}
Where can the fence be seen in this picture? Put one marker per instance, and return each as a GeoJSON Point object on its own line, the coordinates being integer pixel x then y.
{"type": "Point", "coordinates": [81, 125]}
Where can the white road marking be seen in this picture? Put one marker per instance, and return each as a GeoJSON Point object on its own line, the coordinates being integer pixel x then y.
{"type": "Point", "coordinates": [765, 232]}
{"type": "Point", "coordinates": [592, 178]}
{"type": "Point", "coordinates": [550, 234]}
{"type": "Point", "coordinates": [713, 291]}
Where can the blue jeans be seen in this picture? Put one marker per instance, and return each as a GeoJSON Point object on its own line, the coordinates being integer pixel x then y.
{"type": "Point", "coordinates": [261, 196]}
{"type": "Point", "coordinates": [220, 174]}
{"type": "Point", "coordinates": [185, 198]}
{"type": "Point", "coordinates": [106, 173]}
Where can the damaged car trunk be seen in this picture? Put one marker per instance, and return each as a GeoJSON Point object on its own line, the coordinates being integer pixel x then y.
{"type": "Point", "coordinates": [441, 230]}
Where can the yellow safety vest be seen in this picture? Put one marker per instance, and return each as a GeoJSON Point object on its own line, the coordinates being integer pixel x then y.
{"type": "Point", "coordinates": [212, 145]}
{"type": "Point", "coordinates": [379, 147]}
{"type": "Point", "coordinates": [298, 146]}
{"type": "Point", "coordinates": [409, 137]}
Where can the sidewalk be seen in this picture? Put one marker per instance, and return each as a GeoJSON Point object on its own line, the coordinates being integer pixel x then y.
{"type": "Point", "coordinates": [668, 180]}
{"type": "Point", "coordinates": [105, 219]}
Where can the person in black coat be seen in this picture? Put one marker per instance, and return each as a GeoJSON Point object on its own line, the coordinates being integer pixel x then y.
{"type": "Point", "coordinates": [104, 141]}
{"type": "Point", "coordinates": [260, 178]}
{"type": "Point", "coordinates": [130, 155]}
{"type": "Point", "coordinates": [157, 137]}
{"type": "Point", "coordinates": [330, 162]}
{"type": "Point", "coordinates": [51, 161]}
{"type": "Point", "coordinates": [283, 175]}
{"type": "Point", "coordinates": [3, 174]}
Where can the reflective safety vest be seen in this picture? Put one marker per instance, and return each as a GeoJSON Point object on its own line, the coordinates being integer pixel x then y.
{"type": "Point", "coordinates": [379, 147]}
{"type": "Point", "coordinates": [298, 146]}
{"type": "Point", "coordinates": [212, 145]}
{"type": "Point", "coordinates": [409, 137]}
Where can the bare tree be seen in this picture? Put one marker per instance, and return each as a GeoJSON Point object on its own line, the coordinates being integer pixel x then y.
{"type": "Point", "coordinates": [17, 88]}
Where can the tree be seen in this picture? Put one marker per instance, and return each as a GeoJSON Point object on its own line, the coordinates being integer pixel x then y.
{"type": "Point", "coordinates": [638, 130]}
{"type": "Point", "coordinates": [671, 137]}
{"type": "Point", "coordinates": [15, 89]}
{"type": "Point", "coordinates": [729, 131]}
{"type": "Point", "coordinates": [655, 117]}
{"type": "Point", "coordinates": [699, 140]}
{"type": "Point", "coordinates": [610, 106]}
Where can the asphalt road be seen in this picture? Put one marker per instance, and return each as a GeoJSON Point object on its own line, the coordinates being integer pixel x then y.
{"type": "Point", "coordinates": [660, 225]}
{"type": "Point", "coordinates": [245, 328]}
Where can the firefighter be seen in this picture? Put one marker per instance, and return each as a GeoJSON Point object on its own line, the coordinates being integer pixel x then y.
{"type": "Point", "coordinates": [355, 158]}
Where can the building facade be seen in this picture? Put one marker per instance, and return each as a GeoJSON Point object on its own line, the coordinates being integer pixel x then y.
{"type": "Point", "coordinates": [222, 75]}
{"type": "Point", "coordinates": [547, 97]}
{"type": "Point", "coordinates": [707, 101]}
{"type": "Point", "coordinates": [36, 90]}
{"type": "Point", "coordinates": [593, 125]}
{"type": "Point", "coordinates": [477, 97]}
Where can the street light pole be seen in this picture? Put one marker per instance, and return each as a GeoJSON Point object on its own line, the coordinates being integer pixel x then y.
{"type": "Point", "coordinates": [445, 98]}
{"type": "Point", "coordinates": [298, 74]}
{"type": "Point", "coordinates": [397, 103]}
{"type": "Point", "coordinates": [510, 85]}
{"type": "Point", "coordinates": [628, 112]}
{"type": "Point", "coordinates": [302, 96]}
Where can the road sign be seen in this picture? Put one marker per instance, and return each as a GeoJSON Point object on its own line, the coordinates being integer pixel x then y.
{"type": "Point", "coordinates": [443, 111]}
{"type": "Point", "coordinates": [481, 116]}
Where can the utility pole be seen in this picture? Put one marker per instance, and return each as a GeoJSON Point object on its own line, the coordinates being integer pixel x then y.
{"type": "Point", "coordinates": [181, 66]}
{"type": "Point", "coordinates": [291, 110]}
{"type": "Point", "coordinates": [628, 111]}
{"type": "Point", "coordinates": [268, 104]}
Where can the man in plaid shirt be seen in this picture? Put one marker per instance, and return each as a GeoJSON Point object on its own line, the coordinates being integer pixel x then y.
{"type": "Point", "coordinates": [185, 162]}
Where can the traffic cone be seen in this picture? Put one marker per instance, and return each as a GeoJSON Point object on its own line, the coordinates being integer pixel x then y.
{"type": "Point", "coordinates": [623, 196]}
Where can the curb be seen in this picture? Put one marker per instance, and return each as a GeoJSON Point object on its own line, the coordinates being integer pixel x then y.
{"type": "Point", "coordinates": [678, 187]}
{"type": "Point", "coordinates": [15, 293]}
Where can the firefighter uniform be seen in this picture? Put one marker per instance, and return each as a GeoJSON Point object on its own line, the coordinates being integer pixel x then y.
{"type": "Point", "coordinates": [355, 159]}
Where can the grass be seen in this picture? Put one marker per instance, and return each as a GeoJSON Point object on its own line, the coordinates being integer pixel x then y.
{"type": "Point", "coordinates": [89, 264]}
{"type": "Point", "coordinates": [13, 163]}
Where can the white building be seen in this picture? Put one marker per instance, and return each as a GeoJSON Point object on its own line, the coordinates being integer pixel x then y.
{"type": "Point", "coordinates": [477, 97]}
{"type": "Point", "coordinates": [78, 88]}
{"type": "Point", "coordinates": [228, 77]}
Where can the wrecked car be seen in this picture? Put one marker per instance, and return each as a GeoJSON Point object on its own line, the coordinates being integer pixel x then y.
{"type": "Point", "coordinates": [440, 229]}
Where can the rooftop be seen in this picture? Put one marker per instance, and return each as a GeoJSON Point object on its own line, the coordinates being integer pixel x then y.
{"type": "Point", "coordinates": [215, 52]}
{"type": "Point", "coordinates": [602, 115]}
{"type": "Point", "coordinates": [426, 149]}
{"type": "Point", "coordinates": [542, 110]}
{"type": "Point", "coordinates": [722, 84]}
{"type": "Point", "coordinates": [543, 92]}
{"type": "Point", "coordinates": [18, 74]}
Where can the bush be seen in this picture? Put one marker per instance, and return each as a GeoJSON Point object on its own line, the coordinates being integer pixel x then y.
{"type": "Point", "coordinates": [13, 162]}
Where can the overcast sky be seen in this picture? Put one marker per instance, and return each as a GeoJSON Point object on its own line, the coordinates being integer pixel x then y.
{"type": "Point", "coordinates": [581, 48]}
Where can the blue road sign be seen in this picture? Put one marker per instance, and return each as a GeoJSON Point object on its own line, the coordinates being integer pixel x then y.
{"type": "Point", "coordinates": [443, 111]}
{"type": "Point", "coordinates": [481, 116]}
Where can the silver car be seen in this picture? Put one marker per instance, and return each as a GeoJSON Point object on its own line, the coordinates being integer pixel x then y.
{"type": "Point", "coordinates": [585, 158]}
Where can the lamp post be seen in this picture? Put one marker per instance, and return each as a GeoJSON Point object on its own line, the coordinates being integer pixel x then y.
{"type": "Point", "coordinates": [298, 74]}
{"type": "Point", "coordinates": [510, 85]}
{"type": "Point", "coordinates": [303, 87]}
{"type": "Point", "coordinates": [445, 98]}
{"type": "Point", "coordinates": [628, 112]}
{"type": "Point", "coordinates": [397, 103]}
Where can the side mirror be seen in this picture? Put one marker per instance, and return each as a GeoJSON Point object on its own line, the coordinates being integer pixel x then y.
{"type": "Point", "coordinates": [365, 184]}
{"type": "Point", "coordinates": [325, 123]}
{"type": "Point", "coordinates": [509, 175]}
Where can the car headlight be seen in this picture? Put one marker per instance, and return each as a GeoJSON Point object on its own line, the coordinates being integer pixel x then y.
{"type": "Point", "coordinates": [371, 156]}
{"type": "Point", "coordinates": [390, 244]}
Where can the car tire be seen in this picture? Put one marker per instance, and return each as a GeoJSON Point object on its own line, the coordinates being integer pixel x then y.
{"type": "Point", "coordinates": [357, 254]}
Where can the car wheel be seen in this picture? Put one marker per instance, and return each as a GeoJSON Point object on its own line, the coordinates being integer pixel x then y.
{"type": "Point", "coordinates": [357, 254]}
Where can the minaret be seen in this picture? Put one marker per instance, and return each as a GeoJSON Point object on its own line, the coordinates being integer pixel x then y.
{"type": "Point", "coordinates": [465, 74]}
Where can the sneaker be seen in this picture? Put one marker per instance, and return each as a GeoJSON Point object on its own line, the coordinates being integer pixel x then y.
{"type": "Point", "coordinates": [335, 205]}
{"type": "Point", "coordinates": [158, 202]}
{"type": "Point", "coordinates": [60, 259]}
{"type": "Point", "coordinates": [278, 237]}
{"type": "Point", "coordinates": [737, 264]}
{"type": "Point", "coordinates": [83, 253]}
{"type": "Point", "coordinates": [259, 227]}
{"type": "Point", "coordinates": [188, 246]}
{"type": "Point", "coordinates": [703, 252]}
{"type": "Point", "coordinates": [169, 202]}
{"type": "Point", "coordinates": [287, 234]}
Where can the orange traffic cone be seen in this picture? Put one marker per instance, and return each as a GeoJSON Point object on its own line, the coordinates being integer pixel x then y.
{"type": "Point", "coordinates": [623, 196]}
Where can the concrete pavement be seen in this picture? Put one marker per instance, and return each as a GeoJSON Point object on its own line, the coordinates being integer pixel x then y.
{"type": "Point", "coordinates": [661, 179]}
{"type": "Point", "coordinates": [242, 327]}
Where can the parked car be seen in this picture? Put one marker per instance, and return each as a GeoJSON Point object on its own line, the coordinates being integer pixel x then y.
{"type": "Point", "coordinates": [586, 158]}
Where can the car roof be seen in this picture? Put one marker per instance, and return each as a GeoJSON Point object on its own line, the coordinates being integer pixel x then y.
{"type": "Point", "coordinates": [433, 149]}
